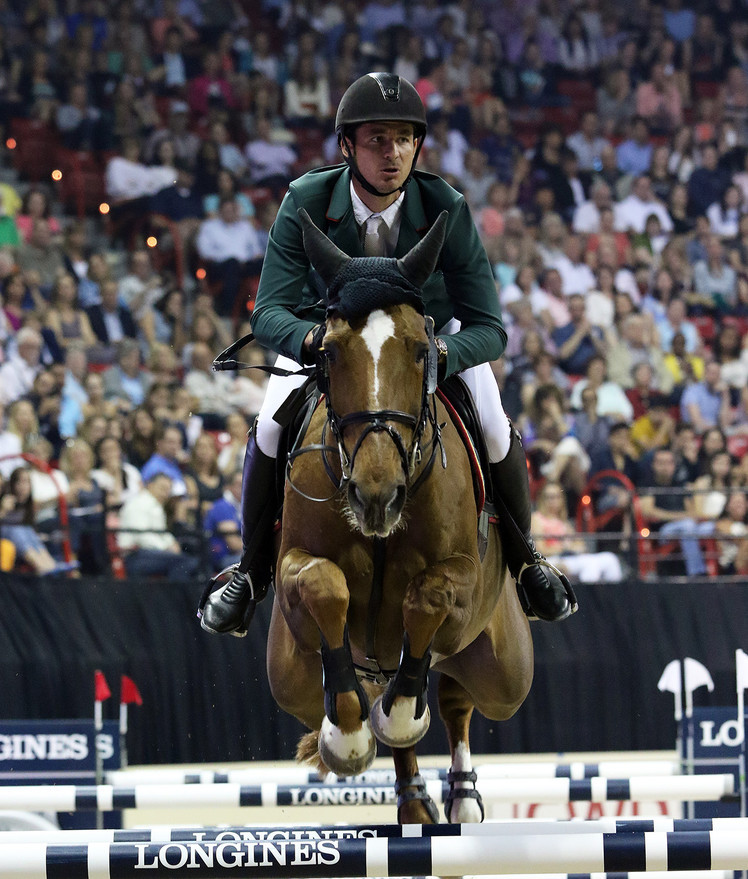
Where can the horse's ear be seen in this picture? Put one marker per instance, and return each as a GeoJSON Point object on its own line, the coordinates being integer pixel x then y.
{"type": "Point", "coordinates": [420, 261]}
{"type": "Point", "coordinates": [327, 258]}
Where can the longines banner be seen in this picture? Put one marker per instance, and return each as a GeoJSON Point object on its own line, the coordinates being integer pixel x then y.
{"type": "Point", "coordinates": [719, 740]}
{"type": "Point", "coordinates": [44, 750]}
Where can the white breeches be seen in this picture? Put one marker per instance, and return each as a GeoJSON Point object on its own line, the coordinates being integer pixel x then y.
{"type": "Point", "coordinates": [479, 379]}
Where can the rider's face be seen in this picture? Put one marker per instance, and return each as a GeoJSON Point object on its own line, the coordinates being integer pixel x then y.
{"type": "Point", "coordinates": [384, 153]}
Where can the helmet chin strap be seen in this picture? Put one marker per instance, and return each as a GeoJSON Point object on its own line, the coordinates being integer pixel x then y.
{"type": "Point", "coordinates": [353, 165]}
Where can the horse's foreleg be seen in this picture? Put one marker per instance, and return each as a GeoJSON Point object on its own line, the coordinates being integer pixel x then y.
{"type": "Point", "coordinates": [401, 716]}
{"type": "Point", "coordinates": [463, 803]}
{"type": "Point", "coordinates": [414, 805]}
{"type": "Point", "coordinates": [346, 743]}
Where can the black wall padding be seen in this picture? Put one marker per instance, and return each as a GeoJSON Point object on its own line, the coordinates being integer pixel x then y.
{"type": "Point", "coordinates": [206, 698]}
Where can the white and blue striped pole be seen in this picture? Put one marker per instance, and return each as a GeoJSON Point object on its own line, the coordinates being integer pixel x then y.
{"type": "Point", "coordinates": [75, 798]}
{"type": "Point", "coordinates": [382, 857]}
{"type": "Point", "coordinates": [260, 832]}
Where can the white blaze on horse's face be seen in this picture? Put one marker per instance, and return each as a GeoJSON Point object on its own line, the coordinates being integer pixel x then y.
{"type": "Point", "coordinates": [379, 327]}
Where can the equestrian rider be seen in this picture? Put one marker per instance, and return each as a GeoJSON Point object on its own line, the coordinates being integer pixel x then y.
{"type": "Point", "coordinates": [377, 203]}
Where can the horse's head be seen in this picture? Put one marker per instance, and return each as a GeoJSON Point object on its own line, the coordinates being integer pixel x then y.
{"type": "Point", "coordinates": [378, 365]}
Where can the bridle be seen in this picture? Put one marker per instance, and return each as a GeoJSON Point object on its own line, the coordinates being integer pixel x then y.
{"type": "Point", "coordinates": [378, 421]}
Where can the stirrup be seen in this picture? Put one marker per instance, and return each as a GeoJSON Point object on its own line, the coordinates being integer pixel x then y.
{"type": "Point", "coordinates": [226, 589]}
{"type": "Point", "coordinates": [542, 562]}
{"type": "Point", "coordinates": [462, 793]}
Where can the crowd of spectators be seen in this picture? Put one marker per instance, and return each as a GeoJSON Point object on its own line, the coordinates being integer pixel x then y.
{"type": "Point", "coordinates": [603, 152]}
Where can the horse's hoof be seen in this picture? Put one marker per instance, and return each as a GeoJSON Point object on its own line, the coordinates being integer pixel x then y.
{"type": "Point", "coordinates": [400, 729]}
{"type": "Point", "coordinates": [346, 753]}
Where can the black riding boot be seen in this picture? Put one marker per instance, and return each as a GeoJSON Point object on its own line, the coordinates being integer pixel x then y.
{"type": "Point", "coordinates": [544, 592]}
{"type": "Point", "coordinates": [230, 608]}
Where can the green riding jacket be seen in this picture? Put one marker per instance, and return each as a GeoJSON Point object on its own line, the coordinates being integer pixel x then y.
{"type": "Point", "coordinates": [462, 285]}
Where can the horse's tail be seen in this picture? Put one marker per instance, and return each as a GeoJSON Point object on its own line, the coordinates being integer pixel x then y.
{"type": "Point", "coordinates": [307, 751]}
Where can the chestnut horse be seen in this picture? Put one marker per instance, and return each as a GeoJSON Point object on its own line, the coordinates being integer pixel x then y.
{"type": "Point", "coordinates": [379, 576]}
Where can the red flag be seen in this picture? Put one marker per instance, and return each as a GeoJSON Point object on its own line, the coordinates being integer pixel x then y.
{"type": "Point", "coordinates": [101, 688]}
{"type": "Point", "coordinates": [129, 693]}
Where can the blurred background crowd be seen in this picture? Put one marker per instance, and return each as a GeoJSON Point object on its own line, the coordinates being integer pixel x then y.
{"type": "Point", "coordinates": [603, 152]}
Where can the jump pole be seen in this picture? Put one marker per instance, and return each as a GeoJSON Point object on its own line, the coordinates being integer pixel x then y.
{"type": "Point", "coordinates": [76, 798]}
{"type": "Point", "coordinates": [493, 829]}
{"type": "Point", "coordinates": [383, 857]}
{"type": "Point", "coordinates": [299, 775]}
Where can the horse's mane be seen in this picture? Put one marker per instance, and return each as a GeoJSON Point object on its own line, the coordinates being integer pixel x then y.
{"type": "Point", "coordinates": [365, 284]}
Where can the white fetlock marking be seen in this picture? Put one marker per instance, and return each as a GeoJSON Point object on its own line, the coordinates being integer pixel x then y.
{"type": "Point", "coordinates": [400, 729]}
{"type": "Point", "coordinates": [465, 810]}
{"type": "Point", "coordinates": [348, 748]}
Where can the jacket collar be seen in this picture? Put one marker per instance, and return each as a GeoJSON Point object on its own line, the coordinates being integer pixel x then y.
{"type": "Point", "coordinates": [343, 229]}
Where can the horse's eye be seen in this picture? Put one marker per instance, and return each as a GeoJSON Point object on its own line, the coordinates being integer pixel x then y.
{"type": "Point", "coordinates": [329, 353]}
{"type": "Point", "coordinates": [421, 353]}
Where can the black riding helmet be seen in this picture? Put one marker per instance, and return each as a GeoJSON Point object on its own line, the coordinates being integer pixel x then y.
{"type": "Point", "coordinates": [379, 97]}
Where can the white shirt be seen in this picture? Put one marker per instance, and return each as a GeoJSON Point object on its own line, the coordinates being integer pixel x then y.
{"type": "Point", "coordinates": [126, 179]}
{"type": "Point", "coordinates": [632, 213]}
{"type": "Point", "coordinates": [219, 241]}
{"type": "Point", "coordinates": [586, 218]}
{"type": "Point", "coordinates": [16, 378]}
{"type": "Point", "coordinates": [268, 159]}
{"type": "Point", "coordinates": [575, 277]}
{"type": "Point", "coordinates": [105, 480]}
{"type": "Point", "coordinates": [391, 216]}
{"type": "Point", "coordinates": [140, 513]}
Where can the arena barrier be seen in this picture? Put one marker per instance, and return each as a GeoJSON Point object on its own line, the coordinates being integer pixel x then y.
{"type": "Point", "coordinates": [300, 775]}
{"type": "Point", "coordinates": [105, 798]}
{"type": "Point", "coordinates": [165, 834]}
{"type": "Point", "coordinates": [384, 857]}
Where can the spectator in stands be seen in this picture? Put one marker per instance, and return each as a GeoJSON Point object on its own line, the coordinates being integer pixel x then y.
{"type": "Point", "coordinates": [41, 254]}
{"type": "Point", "coordinates": [270, 161]}
{"type": "Point", "coordinates": [231, 250]}
{"type": "Point", "coordinates": [222, 524]}
{"type": "Point", "coordinates": [634, 155]}
{"type": "Point", "coordinates": [204, 471]}
{"type": "Point", "coordinates": [591, 429]}
{"type": "Point", "coordinates": [126, 382]}
{"type": "Point", "coordinates": [703, 52]}
{"type": "Point", "coordinates": [36, 206]}
{"type": "Point", "coordinates": [724, 215]}
{"type": "Point", "coordinates": [563, 547]}
{"type": "Point", "coordinates": [611, 399]}
{"type": "Point", "coordinates": [616, 101]}
{"type": "Point", "coordinates": [118, 478]}
{"type": "Point", "coordinates": [210, 85]}
{"type": "Point", "coordinates": [11, 446]}
{"type": "Point", "coordinates": [19, 370]}
{"type": "Point", "coordinates": [706, 403]}
{"type": "Point", "coordinates": [95, 401]}
{"type": "Point", "coordinates": [577, 53]}
{"type": "Point", "coordinates": [578, 341]}
{"type": "Point", "coordinates": [710, 490]}
{"type": "Point", "coordinates": [73, 391]}
{"type": "Point", "coordinates": [169, 458]}
{"type": "Point", "coordinates": [111, 321]}
{"type": "Point", "coordinates": [79, 122]}
{"type": "Point", "coordinates": [714, 280]}
{"type": "Point", "coordinates": [658, 100]}
{"type": "Point", "coordinates": [149, 549]}
{"type": "Point", "coordinates": [17, 525]}
{"type": "Point", "coordinates": [587, 143]}
{"type": "Point", "coordinates": [140, 289]}
{"type": "Point", "coordinates": [654, 427]}
{"type": "Point", "coordinates": [140, 436]}
{"type": "Point", "coordinates": [20, 298]}
{"type": "Point", "coordinates": [632, 212]}
{"type": "Point", "coordinates": [731, 530]}
{"type": "Point", "coordinates": [587, 215]}
{"type": "Point", "coordinates": [668, 511]}
{"type": "Point", "coordinates": [172, 67]}
{"type": "Point", "coordinates": [708, 182]}
{"type": "Point", "coordinates": [675, 321]}
{"type": "Point", "coordinates": [67, 320]}
{"type": "Point", "coordinates": [576, 275]}
{"type": "Point", "coordinates": [86, 508]}
{"type": "Point", "coordinates": [186, 143]}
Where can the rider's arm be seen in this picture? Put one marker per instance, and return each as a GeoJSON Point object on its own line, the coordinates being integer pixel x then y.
{"type": "Point", "coordinates": [281, 289]}
{"type": "Point", "coordinates": [471, 289]}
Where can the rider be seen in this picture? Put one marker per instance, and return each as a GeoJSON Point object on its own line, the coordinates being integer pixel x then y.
{"type": "Point", "coordinates": [380, 125]}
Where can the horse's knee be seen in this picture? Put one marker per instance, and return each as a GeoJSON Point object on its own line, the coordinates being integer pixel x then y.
{"type": "Point", "coordinates": [320, 584]}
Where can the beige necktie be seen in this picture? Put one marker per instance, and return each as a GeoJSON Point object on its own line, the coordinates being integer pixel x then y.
{"type": "Point", "coordinates": [375, 243]}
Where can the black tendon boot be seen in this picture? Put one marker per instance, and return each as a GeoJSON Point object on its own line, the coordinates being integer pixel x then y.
{"type": "Point", "coordinates": [544, 591]}
{"type": "Point", "coordinates": [230, 607]}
